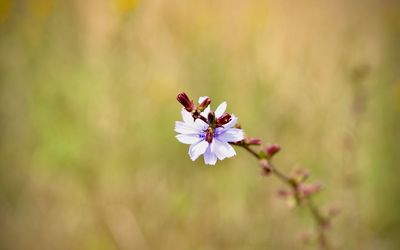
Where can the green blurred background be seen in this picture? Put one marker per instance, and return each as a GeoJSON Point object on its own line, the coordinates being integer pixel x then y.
{"type": "Point", "coordinates": [88, 158]}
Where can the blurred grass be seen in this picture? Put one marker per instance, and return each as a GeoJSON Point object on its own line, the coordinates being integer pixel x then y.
{"type": "Point", "coordinates": [87, 148]}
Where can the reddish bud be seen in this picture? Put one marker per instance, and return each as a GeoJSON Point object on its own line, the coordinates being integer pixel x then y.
{"type": "Point", "coordinates": [283, 193]}
{"type": "Point", "coordinates": [309, 189]}
{"type": "Point", "coordinates": [204, 104]}
{"type": "Point", "coordinates": [185, 101]}
{"type": "Point", "coordinates": [265, 167]}
{"type": "Point", "coordinates": [253, 141]}
{"type": "Point", "coordinates": [271, 150]}
{"type": "Point", "coordinates": [223, 119]}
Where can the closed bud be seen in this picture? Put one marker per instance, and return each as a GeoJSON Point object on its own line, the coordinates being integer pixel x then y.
{"type": "Point", "coordinates": [211, 117]}
{"type": "Point", "coordinates": [309, 189]}
{"type": "Point", "coordinates": [271, 150]}
{"type": "Point", "coordinates": [185, 101]}
{"type": "Point", "coordinates": [204, 104]}
{"type": "Point", "coordinates": [223, 119]}
{"type": "Point", "coordinates": [265, 167]}
{"type": "Point", "coordinates": [253, 141]}
{"type": "Point", "coordinates": [283, 193]}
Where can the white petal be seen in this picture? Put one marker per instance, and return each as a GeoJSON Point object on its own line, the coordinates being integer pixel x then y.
{"type": "Point", "coordinates": [185, 128]}
{"type": "Point", "coordinates": [209, 157]}
{"type": "Point", "coordinates": [200, 125]}
{"type": "Point", "coordinates": [186, 116]}
{"type": "Point", "coordinates": [220, 110]}
{"type": "Point", "coordinates": [222, 149]}
{"type": "Point", "coordinates": [232, 122]}
{"type": "Point", "coordinates": [202, 98]}
{"type": "Point", "coordinates": [231, 135]}
{"type": "Point", "coordinates": [197, 149]}
{"type": "Point", "coordinates": [206, 111]}
{"type": "Point", "coordinates": [188, 139]}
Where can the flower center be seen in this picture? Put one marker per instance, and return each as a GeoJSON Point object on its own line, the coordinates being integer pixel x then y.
{"type": "Point", "coordinates": [209, 135]}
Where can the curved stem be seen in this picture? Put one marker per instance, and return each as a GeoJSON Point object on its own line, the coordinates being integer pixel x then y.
{"type": "Point", "coordinates": [320, 221]}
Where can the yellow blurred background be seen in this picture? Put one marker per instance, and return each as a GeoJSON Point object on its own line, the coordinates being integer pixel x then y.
{"type": "Point", "coordinates": [88, 157]}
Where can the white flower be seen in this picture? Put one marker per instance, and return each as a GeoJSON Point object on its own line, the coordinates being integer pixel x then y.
{"type": "Point", "coordinates": [194, 133]}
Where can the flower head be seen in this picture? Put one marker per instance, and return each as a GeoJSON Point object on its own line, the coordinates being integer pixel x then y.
{"type": "Point", "coordinates": [208, 133]}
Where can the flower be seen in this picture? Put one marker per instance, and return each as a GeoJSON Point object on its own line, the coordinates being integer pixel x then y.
{"type": "Point", "coordinates": [209, 137]}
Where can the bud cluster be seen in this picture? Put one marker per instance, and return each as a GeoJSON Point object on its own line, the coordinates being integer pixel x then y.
{"type": "Point", "coordinates": [196, 111]}
{"type": "Point", "coordinates": [303, 189]}
{"type": "Point", "coordinates": [300, 190]}
{"type": "Point", "coordinates": [191, 107]}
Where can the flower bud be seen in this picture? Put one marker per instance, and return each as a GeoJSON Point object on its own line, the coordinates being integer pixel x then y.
{"type": "Point", "coordinates": [309, 189]}
{"type": "Point", "coordinates": [283, 193]}
{"type": "Point", "coordinates": [204, 104]}
{"type": "Point", "coordinates": [265, 167]}
{"type": "Point", "coordinates": [223, 119]}
{"type": "Point", "coordinates": [211, 117]}
{"type": "Point", "coordinates": [253, 141]}
{"type": "Point", "coordinates": [185, 101]}
{"type": "Point", "coordinates": [272, 149]}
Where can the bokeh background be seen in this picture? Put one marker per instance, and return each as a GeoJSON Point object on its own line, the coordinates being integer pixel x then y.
{"type": "Point", "coordinates": [88, 158]}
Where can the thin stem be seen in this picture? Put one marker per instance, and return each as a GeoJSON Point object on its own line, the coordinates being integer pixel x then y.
{"type": "Point", "coordinates": [201, 118]}
{"type": "Point", "coordinates": [283, 177]}
{"type": "Point", "coordinates": [254, 153]}
{"type": "Point", "coordinates": [320, 221]}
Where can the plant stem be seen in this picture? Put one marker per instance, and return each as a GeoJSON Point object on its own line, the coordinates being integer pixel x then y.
{"type": "Point", "coordinates": [320, 221]}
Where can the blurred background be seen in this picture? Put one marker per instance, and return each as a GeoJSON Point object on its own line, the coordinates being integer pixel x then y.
{"type": "Point", "coordinates": [88, 158]}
